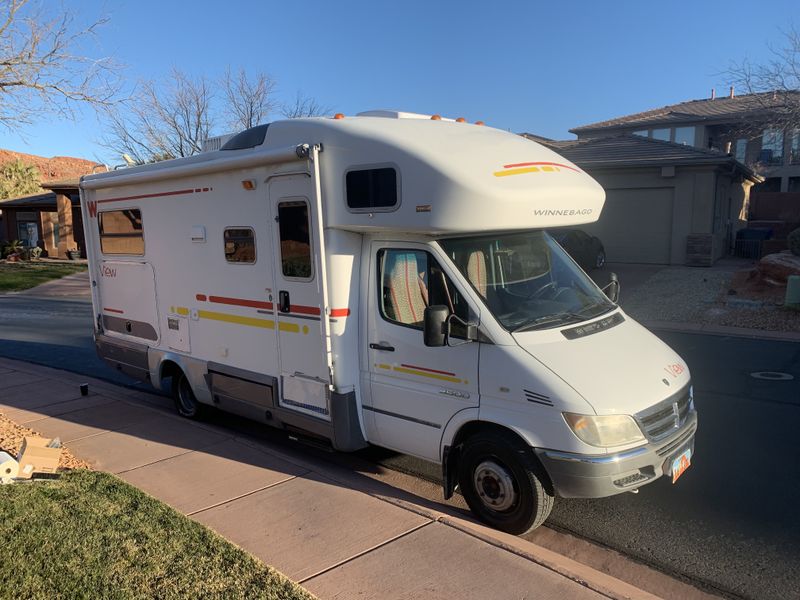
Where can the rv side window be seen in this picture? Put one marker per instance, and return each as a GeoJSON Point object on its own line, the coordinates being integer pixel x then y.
{"type": "Point", "coordinates": [411, 280]}
{"type": "Point", "coordinates": [240, 245]}
{"type": "Point", "coordinates": [371, 189]}
{"type": "Point", "coordinates": [295, 240]}
{"type": "Point", "coordinates": [121, 231]}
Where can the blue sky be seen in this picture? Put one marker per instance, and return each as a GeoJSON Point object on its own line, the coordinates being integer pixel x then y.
{"type": "Point", "coordinates": [540, 67]}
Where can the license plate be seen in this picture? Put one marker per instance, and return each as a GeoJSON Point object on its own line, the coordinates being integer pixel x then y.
{"type": "Point", "coordinates": [681, 463]}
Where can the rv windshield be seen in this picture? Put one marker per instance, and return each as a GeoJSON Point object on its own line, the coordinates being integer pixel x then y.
{"type": "Point", "coordinates": [527, 280]}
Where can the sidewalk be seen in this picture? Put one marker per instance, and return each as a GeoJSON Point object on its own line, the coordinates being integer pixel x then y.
{"type": "Point", "coordinates": [69, 286]}
{"type": "Point", "coordinates": [339, 533]}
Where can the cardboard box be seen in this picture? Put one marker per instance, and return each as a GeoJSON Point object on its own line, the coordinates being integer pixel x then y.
{"type": "Point", "coordinates": [36, 457]}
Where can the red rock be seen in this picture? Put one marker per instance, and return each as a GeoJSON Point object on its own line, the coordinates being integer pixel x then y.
{"type": "Point", "coordinates": [778, 267]}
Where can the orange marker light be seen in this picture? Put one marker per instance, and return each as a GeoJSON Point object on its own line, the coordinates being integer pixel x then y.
{"type": "Point", "coordinates": [338, 116]}
{"type": "Point", "coordinates": [436, 118]}
{"type": "Point", "coordinates": [461, 120]}
{"type": "Point", "coordinates": [479, 123]}
{"type": "Point", "coordinates": [249, 184]}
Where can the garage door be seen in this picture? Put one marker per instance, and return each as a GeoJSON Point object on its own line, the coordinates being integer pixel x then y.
{"type": "Point", "coordinates": [636, 225]}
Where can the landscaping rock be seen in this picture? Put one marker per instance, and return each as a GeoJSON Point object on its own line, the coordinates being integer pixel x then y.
{"type": "Point", "coordinates": [776, 268]}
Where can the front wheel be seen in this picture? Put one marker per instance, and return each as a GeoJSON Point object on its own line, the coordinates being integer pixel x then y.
{"type": "Point", "coordinates": [185, 401]}
{"type": "Point", "coordinates": [498, 478]}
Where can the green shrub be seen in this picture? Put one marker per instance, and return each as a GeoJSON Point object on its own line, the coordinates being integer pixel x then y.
{"type": "Point", "coordinates": [794, 241]}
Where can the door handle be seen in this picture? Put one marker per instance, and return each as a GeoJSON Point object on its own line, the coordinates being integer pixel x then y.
{"type": "Point", "coordinates": [283, 301]}
{"type": "Point", "coordinates": [384, 347]}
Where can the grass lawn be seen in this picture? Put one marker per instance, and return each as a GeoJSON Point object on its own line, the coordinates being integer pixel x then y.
{"type": "Point", "coordinates": [15, 277]}
{"type": "Point", "coordinates": [91, 535]}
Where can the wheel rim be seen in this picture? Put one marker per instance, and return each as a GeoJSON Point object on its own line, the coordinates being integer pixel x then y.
{"type": "Point", "coordinates": [494, 486]}
{"type": "Point", "coordinates": [186, 397]}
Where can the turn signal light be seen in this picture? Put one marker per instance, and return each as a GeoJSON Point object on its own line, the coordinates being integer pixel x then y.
{"type": "Point", "coordinates": [249, 184]}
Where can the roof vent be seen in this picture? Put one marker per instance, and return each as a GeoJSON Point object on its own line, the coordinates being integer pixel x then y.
{"type": "Point", "coordinates": [249, 138]}
{"type": "Point", "coordinates": [215, 143]}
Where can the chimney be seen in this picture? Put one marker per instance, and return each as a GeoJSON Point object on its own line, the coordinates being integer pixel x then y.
{"type": "Point", "coordinates": [713, 93]}
{"type": "Point", "coordinates": [732, 94]}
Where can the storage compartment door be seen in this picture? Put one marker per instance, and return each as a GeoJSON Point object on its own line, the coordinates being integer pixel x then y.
{"type": "Point", "coordinates": [127, 294]}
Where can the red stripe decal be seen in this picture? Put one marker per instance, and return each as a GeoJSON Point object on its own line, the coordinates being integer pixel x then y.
{"type": "Point", "coordinates": [201, 297]}
{"type": "Point", "coordinates": [157, 195]}
{"type": "Point", "coordinates": [304, 310]}
{"type": "Point", "coordinates": [240, 302]}
{"type": "Point", "coordinates": [541, 164]}
{"type": "Point", "coordinates": [114, 310]}
{"type": "Point", "coordinates": [340, 312]}
{"type": "Point", "coordinates": [429, 370]}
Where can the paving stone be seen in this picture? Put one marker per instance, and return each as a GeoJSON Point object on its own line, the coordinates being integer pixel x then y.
{"type": "Point", "coordinates": [219, 473]}
{"type": "Point", "coordinates": [38, 393]}
{"type": "Point", "coordinates": [153, 439]}
{"type": "Point", "coordinates": [16, 378]}
{"type": "Point", "coordinates": [24, 415]}
{"type": "Point", "coordinates": [91, 421]}
{"type": "Point", "coordinates": [423, 565]}
{"type": "Point", "coordinates": [308, 524]}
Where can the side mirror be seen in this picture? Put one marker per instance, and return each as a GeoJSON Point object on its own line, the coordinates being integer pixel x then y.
{"type": "Point", "coordinates": [436, 325]}
{"type": "Point", "coordinates": [613, 288]}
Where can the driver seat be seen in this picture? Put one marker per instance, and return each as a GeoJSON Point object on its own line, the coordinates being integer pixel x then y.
{"type": "Point", "coordinates": [476, 271]}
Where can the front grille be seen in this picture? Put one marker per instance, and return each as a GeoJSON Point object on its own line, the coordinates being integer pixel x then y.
{"type": "Point", "coordinates": [664, 418]}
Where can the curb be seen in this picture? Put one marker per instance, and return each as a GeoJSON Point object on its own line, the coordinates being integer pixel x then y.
{"type": "Point", "coordinates": [723, 330]}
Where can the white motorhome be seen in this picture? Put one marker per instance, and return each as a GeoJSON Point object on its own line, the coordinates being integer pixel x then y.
{"type": "Point", "coordinates": [386, 279]}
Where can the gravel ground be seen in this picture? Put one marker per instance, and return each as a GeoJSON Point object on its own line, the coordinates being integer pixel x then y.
{"type": "Point", "coordinates": [11, 436]}
{"type": "Point", "coordinates": [695, 295]}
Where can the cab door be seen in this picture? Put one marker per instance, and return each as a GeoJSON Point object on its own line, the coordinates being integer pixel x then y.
{"type": "Point", "coordinates": [415, 389]}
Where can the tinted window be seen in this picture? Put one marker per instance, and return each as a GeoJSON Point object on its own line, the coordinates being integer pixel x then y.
{"type": "Point", "coordinates": [368, 189]}
{"type": "Point", "coordinates": [240, 245]}
{"type": "Point", "coordinates": [295, 239]}
{"type": "Point", "coordinates": [121, 231]}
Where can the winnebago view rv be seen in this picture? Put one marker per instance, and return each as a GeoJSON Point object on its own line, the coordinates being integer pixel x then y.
{"type": "Point", "coordinates": [387, 279]}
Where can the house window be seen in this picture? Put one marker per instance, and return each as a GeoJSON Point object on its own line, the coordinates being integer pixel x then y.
{"type": "Point", "coordinates": [641, 132]}
{"type": "Point", "coordinates": [684, 135]}
{"type": "Point", "coordinates": [794, 184]}
{"type": "Point", "coordinates": [240, 245]}
{"type": "Point", "coordinates": [370, 189]}
{"type": "Point", "coordinates": [121, 232]}
{"type": "Point", "coordinates": [295, 240]}
{"type": "Point", "coordinates": [794, 149]}
{"type": "Point", "coordinates": [771, 147]}
{"type": "Point", "coordinates": [661, 134]}
{"type": "Point", "coordinates": [741, 149]}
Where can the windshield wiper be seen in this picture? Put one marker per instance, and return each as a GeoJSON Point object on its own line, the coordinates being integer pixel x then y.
{"type": "Point", "coordinates": [557, 318]}
{"type": "Point", "coordinates": [607, 306]}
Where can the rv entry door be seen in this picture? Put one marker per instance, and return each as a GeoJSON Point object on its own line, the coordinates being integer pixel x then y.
{"type": "Point", "coordinates": [298, 297]}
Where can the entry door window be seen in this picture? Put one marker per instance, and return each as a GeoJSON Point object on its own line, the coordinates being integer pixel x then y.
{"type": "Point", "coordinates": [294, 225]}
{"type": "Point", "coordinates": [411, 280]}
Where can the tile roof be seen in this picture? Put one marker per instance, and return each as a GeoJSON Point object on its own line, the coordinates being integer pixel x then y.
{"type": "Point", "coordinates": [633, 150]}
{"type": "Point", "coordinates": [702, 110]}
{"type": "Point", "coordinates": [46, 200]}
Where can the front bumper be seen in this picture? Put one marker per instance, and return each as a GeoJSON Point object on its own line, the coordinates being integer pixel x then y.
{"type": "Point", "coordinates": [591, 476]}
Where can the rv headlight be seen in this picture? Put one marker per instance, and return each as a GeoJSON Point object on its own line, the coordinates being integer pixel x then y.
{"type": "Point", "coordinates": [604, 431]}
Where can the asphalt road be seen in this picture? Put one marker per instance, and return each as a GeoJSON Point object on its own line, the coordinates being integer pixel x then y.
{"type": "Point", "coordinates": [731, 523]}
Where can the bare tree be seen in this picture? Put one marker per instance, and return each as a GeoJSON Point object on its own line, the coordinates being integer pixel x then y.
{"type": "Point", "coordinates": [163, 123]}
{"type": "Point", "coordinates": [773, 84]}
{"type": "Point", "coordinates": [303, 106]}
{"type": "Point", "coordinates": [39, 71]}
{"type": "Point", "coordinates": [249, 101]}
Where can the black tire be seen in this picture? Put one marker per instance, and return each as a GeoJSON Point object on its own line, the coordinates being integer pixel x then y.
{"type": "Point", "coordinates": [531, 501]}
{"type": "Point", "coordinates": [185, 401]}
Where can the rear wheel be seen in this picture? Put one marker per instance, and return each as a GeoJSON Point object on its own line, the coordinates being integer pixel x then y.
{"type": "Point", "coordinates": [499, 478]}
{"type": "Point", "coordinates": [185, 401]}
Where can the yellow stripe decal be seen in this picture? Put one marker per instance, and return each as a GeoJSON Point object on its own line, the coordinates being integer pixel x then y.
{"type": "Point", "coordinates": [182, 310]}
{"type": "Point", "coordinates": [426, 374]}
{"type": "Point", "coordinates": [290, 327]}
{"type": "Point", "coordinates": [508, 172]}
{"type": "Point", "coordinates": [226, 318]}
